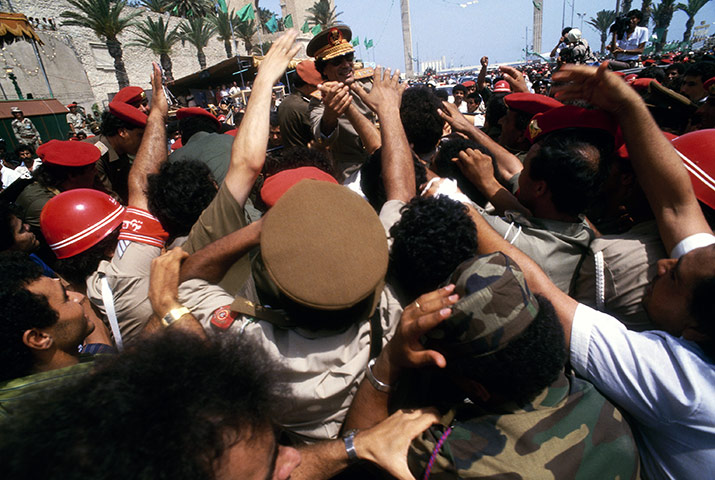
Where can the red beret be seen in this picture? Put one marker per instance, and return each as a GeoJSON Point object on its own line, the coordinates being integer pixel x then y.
{"type": "Point", "coordinates": [666, 61]}
{"type": "Point", "coordinates": [308, 73]}
{"type": "Point", "coordinates": [623, 151]}
{"type": "Point", "coordinates": [649, 61]}
{"type": "Point", "coordinates": [176, 145]}
{"type": "Point", "coordinates": [630, 77]}
{"type": "Point", "coordinates": [127, 113]}
{"type": "Point", "coordinates": [130, 95]}
{"type": "Point", "coordinates": [196, 112]}
{"type": "Point", "coordinates": [70, 105]}
{"type": "Point", "coordinates": [276, 185]}
{"type": "Point", "coordinates": [531, 103]}
{"type": "Point", "coordinates": [233, 132]}
{"type": "Point", "coordinates": [502, 86]}
{"type": "Point", "coordinates": [68, 153]}
{"type": "Point", "coordinates": [696, 149]}
{"type": "Point", "coordinates": [620, 74]}
{"type": "Point", "coordinates": [570, 116]}
{"type": "Point", "coordinates": [710, 86]}
{"type": "Point", "coordinates": [642, 83]}
{"type": "Point", "coordinates": [469, 83]}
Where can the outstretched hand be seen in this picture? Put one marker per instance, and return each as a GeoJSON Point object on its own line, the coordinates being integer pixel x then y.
{"type": "Point", "coordinates": [158, 97]}
{"type": "Point", "coordinates": [336, 97]}
{"type": "Point", "coordinates": [514, 78]}
{"type": "Point", "coordinates": [479, 169]}
{"type": "Point", "coordinates": [387, 443]}
{"type": "Point", "coordinates": [276, 61]}
{"type": "Point", "coordinates": [164, 280]}
{"type": "Point", "coordinates": [450, 113]}
{"type": "Point", "coordinates": [597, 86]}
{"type": "Point", "coordinates": [386, 92]}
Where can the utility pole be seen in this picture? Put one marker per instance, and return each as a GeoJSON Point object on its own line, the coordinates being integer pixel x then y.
{"type": "Point", "coordinates": [581, 15]}
{"type": "Point", "coordinates": [563, 16]}
{"type": "Point", "coordinates": [538, 21]}
{"type": "Point", "coordinates": [407, 38]}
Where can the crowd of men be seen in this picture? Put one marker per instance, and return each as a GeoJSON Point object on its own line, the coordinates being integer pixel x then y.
{"type": "Point", "coordinates": [368, 281]}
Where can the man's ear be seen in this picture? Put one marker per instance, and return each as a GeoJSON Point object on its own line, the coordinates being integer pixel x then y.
{"type": "Point", "coordinates": [37, 339]}
{"type": "Point", "coordinates": [540, 188]}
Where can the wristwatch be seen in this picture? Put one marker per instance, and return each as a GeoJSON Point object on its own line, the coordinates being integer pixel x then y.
{"type": "Point", "coordinates": [174, 314]}
{"type": "Point", "coordinates": [349, 439]}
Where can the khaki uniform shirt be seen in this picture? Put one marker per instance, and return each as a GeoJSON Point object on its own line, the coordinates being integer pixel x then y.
{"type": "Point", "coordinates": [112, 169]}
{"type": "Point", "coordinates": [557, 247]}
{"type": "Point", "coordinates": [629, 264]}
{"type": "Point", "coordinates": [32, 200]}
{"type": "Point", "coordinates": [325, 368]}
{"type": "Point", "coordinates": [568, 431]}
{"type": "Point", "coordinates": [344, 142]}
{"type": "Point", "coordinates": [26, 132]}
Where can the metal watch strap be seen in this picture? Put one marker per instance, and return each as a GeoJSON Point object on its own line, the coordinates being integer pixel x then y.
{"type": "Point", "coordinates": [174, 314]}
{"type": "Point", "coordinates": [349, 439]}
{"type": "Point", "coordinates": [377, 384]}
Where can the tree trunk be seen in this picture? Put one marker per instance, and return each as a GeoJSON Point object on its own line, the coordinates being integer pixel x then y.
{"type": "Point", "coordinates": [646, 9]}
{"type": "Point", "coordinates": [166, 64]}
{"type": "Point", "coordinates": [688, 28]}
{"type": "Point", "coordinates": [249, 47]}
{"type": "Point", "coordinates": [202, 58]}
{"type": "Point", "coordinates": [115, 50]}
{"type": "Point", "coordinates": [227, 46]}
{"type": "Point", "coordinates": [604, 37]}
{"type": "Point", "coordinates": [626, 6]}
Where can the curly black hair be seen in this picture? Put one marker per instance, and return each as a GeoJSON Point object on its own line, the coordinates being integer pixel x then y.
{"type": "Point", "coordinates": [371, 182]}
{"type": "Point", "coordinates": [444, 166]}
{"type": "Point", "coordinates": [652, 72]}
{"type": "Point", "coordinates": [178, 193]}
{"type": "Point", "coordinates": [111, 124]}
{"type": "Point", "coordinates": [574, 164]}
{"type": "Point", "coordinates": [131, 418]}
{"type": "Point", "coordinates": [77, 268]}
{"type": "Point", "coordinates": [703, 69]}
{"type": "Point", "coordinates": [528, 364]}
{"type": "Point", "coordinates": [296, 157]}
{"type": "Point", "coordinates": [21, 310]}
{"type": "Point", "coordinates": [190, 125]}
{"type": "Point", "coordinates": [420, 120]}
{"type": "Point", "coordinates": [434, 235]}
{"type": "Point", "coordinates": [496, 108]}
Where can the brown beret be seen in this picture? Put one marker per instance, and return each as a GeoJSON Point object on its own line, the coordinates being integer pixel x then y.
{"type": "Point", "coordinates": [323, 246]}
{"type": "Point", "coordinates": [308, 73]}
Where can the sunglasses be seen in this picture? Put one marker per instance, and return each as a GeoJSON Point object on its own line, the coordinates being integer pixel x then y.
{"type": "Point", "coordinates": [349, 57]}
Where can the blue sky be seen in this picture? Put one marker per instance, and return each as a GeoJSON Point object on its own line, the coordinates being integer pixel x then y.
{"type": "Point", "coordinates": [495, 28]}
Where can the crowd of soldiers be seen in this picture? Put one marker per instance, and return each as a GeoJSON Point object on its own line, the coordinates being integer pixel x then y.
{"type": "Point", "coordinates": [368, 281]}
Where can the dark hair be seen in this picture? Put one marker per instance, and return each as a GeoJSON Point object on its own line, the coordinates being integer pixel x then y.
{"type": "Point", "coordinates": [77, 268]}
{"type": "Point", "coordinates": [7, 236]}
{"type": "Point", "coordinates": [21, 310]}
{"type": "Point", "coordinates": [702, 309]}
{"type": "Point", "coordinates": [565, 31]}
{"type": "Point", "coordinates": [320, 65]}
{"type": "Point", "coordinates": [53, 176]}
{"type": "Point", "coordinates": [196, 123]}
{"type": "Point", "coordinates": [371, 182]}
{"type": "Point", "coordinates": [635, 13]}
{"type": "Point", "coordinates": [704, 70]}
{"type": "Point", "coordinates": [422, 124]}
{"type": "Point", "coordinates": [131, 418]}
{"type": "Point", "coordinates": [450, 147]}
{"type": "Point", "coordinates": [459, 88]}
{"type": "Point", "coordinates": [295, 157]}
{"type": "Point", "coordinates": [526, 366]}
{"type": "Point", "coordinates": [24, 148]}
{"type": "Point", "coordinates": [676, 66]}
{"type": "Point", "coordinates": [274, 120]}
{"type": "Point", "coordinates": [475, 96]}
{"type": "Point", "coordinates": [178, 193]}
{"type": "Point", "coordinates": [295, 80]}
{"type": "Point", "coordinates": [652, 72]}
{"type": "Point", "coordinates": [111, 124]}
{"type": "Point", "coordinates": [441, 94]}
{"type": "Point", "coordinates": [496, 108]}
{"type": "Point", "coordinates": [434, 235]}
{"type": "Point", "coordinates": [573, 174]}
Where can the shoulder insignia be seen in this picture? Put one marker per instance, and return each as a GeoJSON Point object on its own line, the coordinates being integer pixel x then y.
{"type": "Point", "coordinates": [364, 73]}
{"type": "Point", "coordinates": [103, 149]}
{"type": "Point", "coordinates": [223, 317]}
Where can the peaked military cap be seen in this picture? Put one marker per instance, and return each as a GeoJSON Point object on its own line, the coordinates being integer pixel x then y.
{"type": "Point", "coordinates": [331, 43]}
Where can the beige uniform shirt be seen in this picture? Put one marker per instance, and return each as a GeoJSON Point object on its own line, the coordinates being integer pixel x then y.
{"type": "Point", "coordinates": [325, 368]}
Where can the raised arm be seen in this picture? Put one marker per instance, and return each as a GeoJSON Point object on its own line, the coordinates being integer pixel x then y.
{"type": "Point", "coordinates": [152, 151]}
{"type": "Point", "coordinates": [658, 166]}
{"type": "Point", "coordinates": [482, 77]}
{"type": "Point", "coordinates": [398, 172]}
{"type": "Point", "coordinates": [249, 149]}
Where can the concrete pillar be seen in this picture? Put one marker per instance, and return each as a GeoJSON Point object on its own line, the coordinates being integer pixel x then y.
{"type": "Point", "coordinates": [407, 38]}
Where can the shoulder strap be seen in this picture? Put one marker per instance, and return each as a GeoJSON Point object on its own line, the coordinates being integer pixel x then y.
{"type": "Point", "coordinates": [108, 299]}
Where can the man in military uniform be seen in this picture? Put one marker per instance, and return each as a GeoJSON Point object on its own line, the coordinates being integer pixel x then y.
{"type": "Point", "coordinates": [336, 119]}
{"type": "Point", "coordinates": [520, 415]}
{"type": "Point", "coordinates": [293, 112]}
{"type": "Point", "coordinates": [76, 120]}
{"type": "Point", "coordinates": [24, 130]}
{"type": "Point", "coordinates": [521, 108]}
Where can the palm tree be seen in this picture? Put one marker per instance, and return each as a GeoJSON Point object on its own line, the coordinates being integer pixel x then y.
{"type": "Point", "coordinates": [245, 31]}
{"type": "Point", "coordinates": [224, 23]}
{"type": "Point", "coordinates": [104, 18]}
{"type": "Point", "coordinates": [691, 9]}
{"type": "Point", "coordinates": [323, 15]}
{"type": "Point", "coordinates": [262, 48]}
{"type": "Point", "coordinates": [662, 15]}
{"type": "Point", "coordinates": [626, 6]}
{"type": "Point", "coordinates": [157, 37]}
{"type": "Point", "coordinates": [603, 21]}
{"type": "Point", "coordinates": [191, 8]}
{"type": "Point", "coordinates": [646, 8]}
{"type": "Point", "coordinates": [198, 33]}
{"type": "Point", "coordinates": [158, 6]}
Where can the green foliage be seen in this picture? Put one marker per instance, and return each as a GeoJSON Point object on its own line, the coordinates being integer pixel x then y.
{"type": "Point", "coordinates": [103, 17]}
{"type": "Point", "coordinates": [156, 36]}
{"type": "Point", "coordinates": [158, 6]}
{"type": "Point", "coordinates": [191, 8]}
{"type": "Point", "coordinates": [662, 15]}
{"type": "Point", "coordinates": [321, 14]}
{"type": "Point", "coordinates": [224, 23]}
{"type": "Point", "coordinates": [245, 31]}
{"type": "Point", "coordinates": [197, 32]}
{"type": "Point", "coordinates": [691, 9]}
{"type": "Point", "coordinates": [601, 23]}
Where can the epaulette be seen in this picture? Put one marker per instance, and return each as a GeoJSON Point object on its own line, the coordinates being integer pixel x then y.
{"type": "Point", "coordinates": [363, 73]}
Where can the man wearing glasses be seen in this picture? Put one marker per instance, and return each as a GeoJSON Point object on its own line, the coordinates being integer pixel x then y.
{"type": "Point", "coordinates": [341, 118]}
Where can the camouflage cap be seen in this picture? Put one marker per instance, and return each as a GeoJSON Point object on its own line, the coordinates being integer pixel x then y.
{"type": "Point", "coordinates": [496, 305]}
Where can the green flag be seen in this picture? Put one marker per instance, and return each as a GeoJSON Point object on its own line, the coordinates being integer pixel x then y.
{"type": "Point", "coordinates": [356, 41]}
{"type": "Point", "coordinates": [246, 13]}
{"type": "Point", "coordinates": [272, 24]}
{"type": "Point", "coordinates": [537, 4]}
{"type": "Point", "coordinates": [316, 29]}
{"type": "Point", "coordinates": [222, 6]}
{"type": "Point", "coordinates": [288, 21]}
{"type": "Point", "coordinates": [368, 43]}
{"type": "Point", "coordinates": [305, 28]}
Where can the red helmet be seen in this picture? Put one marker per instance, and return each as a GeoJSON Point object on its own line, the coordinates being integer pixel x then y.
{"type": "Point", "coordinates": [696, 149]}
{"type": "Point", "coordinates": [78, 219]}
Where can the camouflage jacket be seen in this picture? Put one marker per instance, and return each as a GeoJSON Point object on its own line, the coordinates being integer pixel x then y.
{"type": "Point", "coordinates": [568, 431]}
